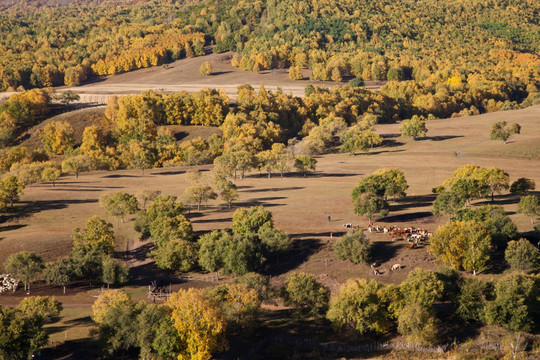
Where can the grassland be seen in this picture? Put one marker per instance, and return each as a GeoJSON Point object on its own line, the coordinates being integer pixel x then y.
{"type": "Point", "coordinates": [43, 220]}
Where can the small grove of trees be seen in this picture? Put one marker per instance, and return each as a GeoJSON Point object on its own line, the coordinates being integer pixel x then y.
{"type": "Point", "coordinates": [502, 131]}
{"type": "Point", "coordinates": [21, 328]}
{"type": "Point", "coordinates": [253, 240]}
{"type": "Point", "coordinates": [305, 163]}
{"type": "Point", "coordinates": [470, 182]}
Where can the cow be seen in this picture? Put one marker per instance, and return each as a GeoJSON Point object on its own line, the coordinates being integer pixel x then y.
{"type": "Point", "coordinates": [396, 267]}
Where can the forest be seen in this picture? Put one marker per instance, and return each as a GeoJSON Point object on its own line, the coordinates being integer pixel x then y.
{"type": "Point", "coordinates": [454, 53]}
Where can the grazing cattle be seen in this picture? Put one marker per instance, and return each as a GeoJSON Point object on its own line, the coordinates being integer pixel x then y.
{"type": "Point", "coordinates": [348, 226]}
{"type": "Point", "coordinates": [411, 246]}
{"type": "Point", "coordinates": [396, 267]}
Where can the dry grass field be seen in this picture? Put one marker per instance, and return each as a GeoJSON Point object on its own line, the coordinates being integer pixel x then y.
{"type": "Point", "coordinates": [183, 75]}
{"type": "Point", "coordinates": [43, 220]}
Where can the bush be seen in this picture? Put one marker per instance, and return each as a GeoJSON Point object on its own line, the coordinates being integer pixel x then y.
{"type": "Point", "coordinates": [356, 82]}
{"type": "Point", "coordinates": [353, 246]}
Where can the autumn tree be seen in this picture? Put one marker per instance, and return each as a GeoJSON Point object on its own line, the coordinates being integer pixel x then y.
{"type": "Point", "coordinates": [57, 137]}
{"type": "Point", "coordinates": [96, 235]}
{"type": "Point", "coordinates": [384, 183]}
{"type": "Point", "coordinates": [303, 292]}
{"type": "Point", "coordinates": [361, 305]}
{"type": "Point", "coordinates": [25, 266]}
{"type": "Point", "coordinates": [21, 334]}
{"type": "Point", "coordinates": [65, 97]}
{"type": "Point", "coordinates": [295, 73]}
{"type": "Point", "coordinates": [530, 206]}
{"type": "Point", "coordinates": [206, 68]}
{"type": "Point", "coordinates": [448, 203]}
{"type": "Point", "coordinates": [353, 246]}
{"type": "Point", "coordinates": [76, 165]}
{"type": "Point", "coordinates": [200, 325]}
{"type": "Point", "coordinates": [305, 163]}
{"type": "Point", "coordinates": [146, 196]}
{"type": "Point", "coordinates": [462, 244]}
{"type": "Point", "coordinates": [415, 127]}
{"type": "Point", "coordinates": [51, 173]}
{"type": "Point", "coordinates": [119, 205]}
{"type": "Point", "coordinates": [10, 189]}
{"type": "Point", "coordinates": [44, 307]}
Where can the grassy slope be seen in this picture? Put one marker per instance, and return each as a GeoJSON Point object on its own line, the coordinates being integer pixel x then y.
{"type": "Point", "coordinates": [300, 205]}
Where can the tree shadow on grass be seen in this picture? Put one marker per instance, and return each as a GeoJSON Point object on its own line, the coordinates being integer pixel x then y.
{"type": "Point", "coordinates": [301, 250]}
{"type": "Point", "coordinates": [241, 188]}
{"type": "Point", "coordinates": [209, 221]}
{"type": "Point", "coordinates": [410, 202]}
{"type": "Point", "coordinates": [439, 137]}
{"type": "Point", "coordinates": [11, 227]}
{"type": "Point", "coordinates": [175, 172]}
{"type": "Point", "coordinates": [506, 199]}
{"type": "Point", "coordinates": [383, 251]}
{"type": "Point", "coordinates": [26, 208]}
{"type": "Point", "coordinates": [406, 217]}
{"type": "Point", "coordinates": [115, 176]}
{"type": "Point", "coordinates": [83, 349]}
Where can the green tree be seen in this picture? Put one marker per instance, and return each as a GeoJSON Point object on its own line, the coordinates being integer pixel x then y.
{"type": "Point", "coordinates": [522, 255]}
{"type": "Point", "coordinates": [361, 305]}
{"type": "Point", "coordinates": [59, 272]}
{"type": "Point", "coordinates": [415, 127]}
{"type": "Point", "coordinates": [418, 323]}
{"type": "Point", "coordinates": [206, 68]}
{"type": "Point", "coordinates": [516, 304]}
{"type": "Point", "coordinates": [164, 207]}
{"type": "Point", "coordinates": [25, 266]}
{"type": "Point", "coordinates": [113, 271]}
{"type": "Point", "coordinates": [250, 221]}
{"type": "Point", "coordinates": [522, 186]}
{"type": "Point", "coordinates": [495, 180]}
{"type": "Point", "coordinates": [353, 246]}
{"type": "Point", "coordinates": [10, 189]}
{"type": "Point", "coordinates": [470, 300]}
{"type": "Point", "coordinates": [199, 193]}
{"type": "Point", "coordinates": [421, 287]}
{"type": "Point", "coordinates": [447, 203]}
{"type": "Point", "coordinates": [494, 219]}
{"type": "Point", "coordinates": [530, 206]}
{"type": "Point", "coordinates": [175, 255]}
{"type": "Point", "coordinates": [383, 182]}
{"type": "Point", "coordinates": [362, 141]}
{"type": "Point", "coordinates": [65, 97]}
{"type": "Point", "coordinates": [462, 244]}
{"type": "Point", "coordinates": [274, 241]}
{"type": "Point", "coordinates": [227, 191]}
{"type": "Point", "coordinates": [369, 204]}
{"type": "Point", "coordinates": [305, 163]}
{"type": "Point", "coordinates": [21, 335]}
{"type": "Point", "coordinates": [97, 235]}
{"type": "Point", "coordinates": [501, 131]}
{"type": "Point", "coordinates": [119, 205]}
{"type": "Point", "coordinates": [211, 249]}
{"type": "Point", "coordinates": [147, 196]}
{"type": "Point", "coordinates": [303, 292]}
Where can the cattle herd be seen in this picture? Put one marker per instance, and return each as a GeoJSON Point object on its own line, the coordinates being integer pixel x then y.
{"type": "Point", "coordinates": [8, 283]}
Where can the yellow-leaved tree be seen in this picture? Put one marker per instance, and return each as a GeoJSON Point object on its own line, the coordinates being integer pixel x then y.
{"type": "Point", "coordinates": [201, 325]}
